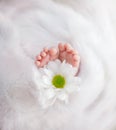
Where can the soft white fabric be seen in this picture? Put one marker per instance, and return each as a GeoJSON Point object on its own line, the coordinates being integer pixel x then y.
{"type": "Point", "coordinates": [26, 26]}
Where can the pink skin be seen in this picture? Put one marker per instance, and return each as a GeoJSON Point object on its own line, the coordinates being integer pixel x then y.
{"type": "Point", "coordinates": [45, 56]}
{"type": "Point", "coordinates": [63, 52]}
{"type": "Point", "coordinates": [66, 52]}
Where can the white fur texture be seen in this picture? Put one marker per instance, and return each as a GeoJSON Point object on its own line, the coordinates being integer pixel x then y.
{"type": "Point", "coordinates": [28, 26]}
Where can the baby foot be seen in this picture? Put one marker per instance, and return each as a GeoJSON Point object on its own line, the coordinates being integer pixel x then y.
{"type": "Point", "coordinates": [45, 56]}
{"type": "Point", "coordinates": [66, 52]}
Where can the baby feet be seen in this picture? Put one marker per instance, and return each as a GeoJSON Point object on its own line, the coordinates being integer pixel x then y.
{"type": "Point", "coordinates": [64, 52]}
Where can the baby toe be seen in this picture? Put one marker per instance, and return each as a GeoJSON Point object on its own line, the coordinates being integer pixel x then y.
{"type": "Point", "coordinates": [61, 47]}
{"type": "Point", "coordinates": [45, 50]}
{"type": "Point", "coordinates": [38, 57]}
{"type": "Point", "coordinates": [37, 63]}
{"type": "Point", "coordinates": [43, 54]}
{"type": "Point", "coordinates": [68, 46]}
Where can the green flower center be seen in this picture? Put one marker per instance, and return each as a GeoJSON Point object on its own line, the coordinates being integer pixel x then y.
{"type": "Point", "coordinates": [58, 81]}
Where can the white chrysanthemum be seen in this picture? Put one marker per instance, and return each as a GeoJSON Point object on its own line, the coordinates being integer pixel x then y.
{"type": "Point", "coordinates": [55, 81]}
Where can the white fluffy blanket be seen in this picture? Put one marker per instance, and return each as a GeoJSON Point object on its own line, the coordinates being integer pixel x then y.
{"type": "Point", "coordinates": [26, 26]}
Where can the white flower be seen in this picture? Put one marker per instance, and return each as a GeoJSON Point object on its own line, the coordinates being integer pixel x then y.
{"type": "Point", "coordinates": [55, 82]}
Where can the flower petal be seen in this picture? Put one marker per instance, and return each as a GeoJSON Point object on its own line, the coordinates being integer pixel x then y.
{"type": "Point", "coordinates": [48, 72]}
{"type": "Point", "coordinates": [71, 88]}
{"type": "Point", "coordinates": [63, 97]}
{"type": "Point", "coordinates": [54, 66]}
{"type": "Point", "coordinates": [46, 98]}
{"type": "Point", "coordinates": [37, 78]}
{"type": "Point", "coordinates": [50, 93]}
{"type": "Point", "coordinates": [67, 69]}
{"type": "Point", "coordinates": [46, 80]}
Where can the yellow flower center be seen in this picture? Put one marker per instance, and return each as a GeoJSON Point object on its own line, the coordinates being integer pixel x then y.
{"type": "Point", "coordinates": [58, 81]}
